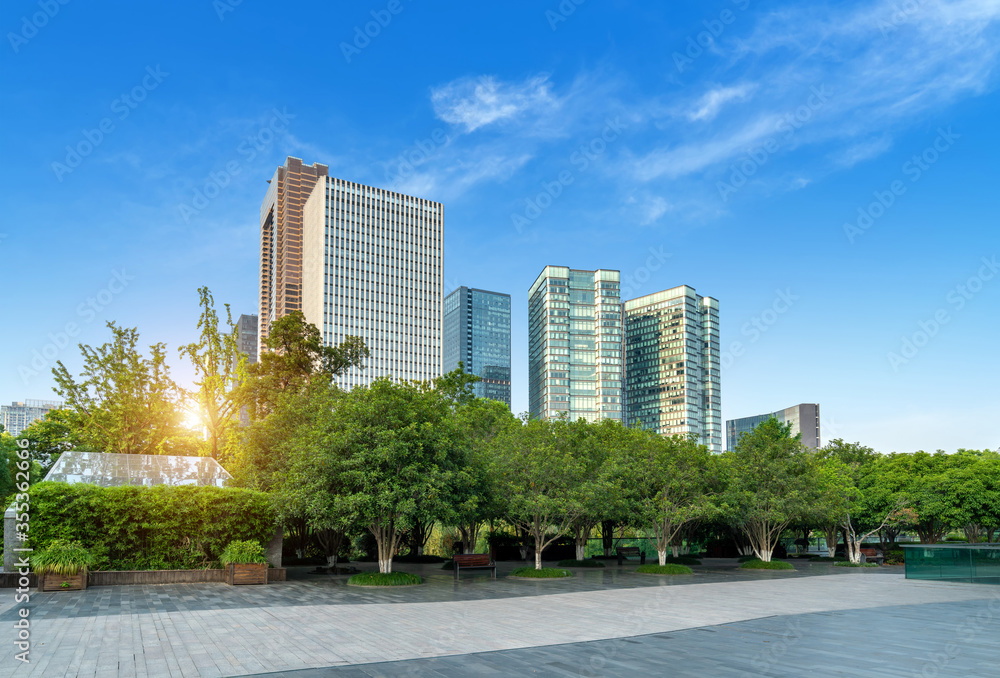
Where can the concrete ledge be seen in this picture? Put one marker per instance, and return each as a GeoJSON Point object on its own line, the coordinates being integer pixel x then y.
{"type": "Point", "coordinates": [9, 580]}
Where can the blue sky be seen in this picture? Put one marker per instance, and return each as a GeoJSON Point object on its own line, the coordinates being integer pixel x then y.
{"type": "Point", "coordinates": [827, 171]}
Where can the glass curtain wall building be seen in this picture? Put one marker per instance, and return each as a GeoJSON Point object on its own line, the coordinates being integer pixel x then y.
{"type": "Point", "coordinates": [372, 268]}
{"type": "Point", "coordinates": [477, 334]}
{"type": "Point", "coordinates": [672, 369]}
{"type": "Point", "coordinates": [575, 344]}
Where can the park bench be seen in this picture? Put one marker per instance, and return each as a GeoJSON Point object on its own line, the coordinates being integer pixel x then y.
{"type": "Point", "coordinates": [474, 561]}
{"type": "Point", "coordinates": [871, 554]}
{"type": "Point", "coordinates": [629, 552]}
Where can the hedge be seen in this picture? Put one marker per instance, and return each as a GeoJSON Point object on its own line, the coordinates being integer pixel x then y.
{"type": "Point", "coordinates": [149, 528]}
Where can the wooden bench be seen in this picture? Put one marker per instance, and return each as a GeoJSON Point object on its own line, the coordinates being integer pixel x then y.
{"type": "Point", "coordinates": [474, 561]}
{"type": "Point", "coordinates": [871, 554]}
{"type": "Point", "coordinates": [631, 551]}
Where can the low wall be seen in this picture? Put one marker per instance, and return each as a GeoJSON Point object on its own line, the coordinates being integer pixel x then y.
{"type": "Point", "coordinates": [9, 580]}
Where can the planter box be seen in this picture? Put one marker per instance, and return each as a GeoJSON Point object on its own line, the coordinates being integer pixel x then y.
{"type": "Point", "coordinates": [54, 582]}
{"type": "Point", "coordinates": [238, 574]}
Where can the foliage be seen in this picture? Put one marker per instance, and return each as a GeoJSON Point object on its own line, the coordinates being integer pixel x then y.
{"type": "Point", "coordinates": [682, 560]}
{"type": "Point", "coordinates": [540, 572]}
{"type": "Point", "coordinates": [589, 562]}
{"type": "Point", "coordinates": [766, 565]}
{"type": "Point", "coordinates": [149, 528]}
{"type": "Point", "coordinates": [61, 557]}
{"type": "Point", "coordinates": [124, 402]}
{"type": "Point", "coordinates": [384, 579]}
{"type": "Point", "coordinates": [895, 557]}
{"type": "Point", "coordinates": [57, 432]}
{"type": "Point", "coordinates": [669, 568]}
{"type": "Point", "coordinates": [243, 552]}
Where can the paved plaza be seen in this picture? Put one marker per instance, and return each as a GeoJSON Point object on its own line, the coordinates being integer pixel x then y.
{"type": "Point", "coordinates": [816, 621]}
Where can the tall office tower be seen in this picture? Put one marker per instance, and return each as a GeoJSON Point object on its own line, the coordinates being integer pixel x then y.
{"type": "Point", "coordinates": [281, 240]}
{"type": "Point", "coordinates": [18, 416]}
{"type": "Point", "coordinates": [672, 365]}
{"type": "Point", "coordinates": [246, 329]}
{"type": "Point", "coordinates": [804, 419]}
{"type": "Point", "coordinates": [477, 333]}
{"type": "Point", "coordinates": [575, 344]}
{"type": "Point", "coordinates": [372, 268]}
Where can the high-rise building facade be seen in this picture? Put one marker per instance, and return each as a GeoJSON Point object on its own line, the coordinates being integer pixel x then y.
{"type": "Point", "coordinates": [672, 369]}
{"type": "Point", "coordinates": [281, 240]}
{"type": "Point", "coordinates": [18, 416]}
{"type": "Point", "coordinates": [372, 268]}
{"type": "Point", "coordinates": [575, 344]}
{"type": "Point", "coordinates": [477, 334]}
{"type": "Point", "coordinates": [804, 419]}
{"type": "Point", "coordinates": [246, 330]}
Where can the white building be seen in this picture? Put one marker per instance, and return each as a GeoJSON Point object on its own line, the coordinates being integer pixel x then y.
{"type": "Point", "coordinates": [18, 416]}
{"type": "Point", "coordinates": [372, 268]}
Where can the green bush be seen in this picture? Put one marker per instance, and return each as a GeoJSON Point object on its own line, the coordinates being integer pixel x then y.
{"type": "Point", "coordinates": [580, 563]}
{"type": "Point", "coordinates": [684, 560]}
{"type": "Point", "coordinates": [849, 564]}
{"type": "Point", "coordinates": [895, 557]}
{"type": "Point", "coordinates": [828, 559]}
{"type": "Point", "coordinates": [746, 559]}
{"type": "Point", "coordinates": [669, 568]}
{"type": "Point", "coordinates": [149, 528]}
{"type": "Point", "coordinates": [544, 573]}
{"type": "Point", "coordinates": [387, 579]}
{"type": "Point", "coordinates": [240, 552]}
{"type": "Point", "coordinates": [61, 557]}
{"type": "Point", "coordinates": [761, 565]}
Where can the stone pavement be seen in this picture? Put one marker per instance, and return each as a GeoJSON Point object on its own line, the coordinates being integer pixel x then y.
{"type": "Point", "coordinates": [318, 623]}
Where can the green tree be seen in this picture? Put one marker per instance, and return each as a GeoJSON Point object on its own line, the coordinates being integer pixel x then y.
{"type": "Point", "coordinates": [219, 366]}
{"type": "Point", "coordinates": [767, 482]}
{"type": "Point", "coordinates": [50, 436]}
{"type": "Point", "coordinates": [123, 402]}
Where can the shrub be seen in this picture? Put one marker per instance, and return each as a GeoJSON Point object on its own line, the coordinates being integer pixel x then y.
{"type": "Point", "coordinates": [895, 557]}
{"type": "Point", "coordinates": [849, 564]}
{"type": "Point", "coordinates": [61, 557]}
{"type": "Point", "coordinates": [544, 573]}
{"type": "Point", "coordinates": [149, 528]}
{"type": "Point", "coordinates": [384, 579]}
{"type": "Point", "coordinates": [683, 560]}
{"type": "Point", "coordinates": [746, 559]}
{"type": "Point", "coordinates": [761, 565]}
{"type": "Point", "coordinates": [828, 559]}
{"type": "Point", "coordinates": [580, 563]}
{"type": "Point", "coordinates": [669, 568]}
{"type": "Point", "coordinates": [239, 552]}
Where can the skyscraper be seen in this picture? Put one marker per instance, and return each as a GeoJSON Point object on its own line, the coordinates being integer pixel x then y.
{"type": "Point", "coordinates": [672, 365]}
{"type": "Point", "coordinates": [575, 344]}
{"type": "Point", "coordinates": [372, 268]}
{"type": "Point", "coordinates": [477, 333]}
{"type": "Point", "coordinates": [281, 240]}
{"type": "Point", "coordinates": [246, 328]}
{"type": "Point", "coordinates": [804, 419]}
{"type": "Point", "coordinates": [20, 415]}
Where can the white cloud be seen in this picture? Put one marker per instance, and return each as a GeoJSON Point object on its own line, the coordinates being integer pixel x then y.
{"type": "Point", "coordinates": [710, 103]}
{"type": "Point", "coordinates": [478, 102]}
{"type": "Point", "coordinates": [862, 151]}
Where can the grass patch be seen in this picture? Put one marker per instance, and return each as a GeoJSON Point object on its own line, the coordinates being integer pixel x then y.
{"type": "Point", "coordinates": [761, 565]}
{"type": "Point", "coordinates": [848, 564]}
{"type": "Point", "coordinates": [669, 568]}
{"type": "Point", "coordinates": [683, 560]}
{"type": "Point", "coordinates": [380, 579]}
{"type": "Point", "coordinates": [544, 573]}
{"type": "Point", "coordinates": [580, 563]}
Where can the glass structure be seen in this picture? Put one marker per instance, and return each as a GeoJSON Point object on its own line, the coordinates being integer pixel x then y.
{"type": "Point", "coordinates": [109, 469]}
{"type": "Point", "coordinates": [970, 563]}
{"type": "Point", "coordinates": [672, 381]}
{"type": "Point", "coordinates": [476, 331]}
{"type": "Point", "coordinates": [804, 419]}
{"type": "Point", "coordinates": [575, 344]}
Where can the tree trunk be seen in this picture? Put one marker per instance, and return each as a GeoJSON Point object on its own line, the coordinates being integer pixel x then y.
{"type": "Point", "coordinates": [538, 558]}
{"type": "Point", "coordinates": [581, 552]}
{"type": "Point", "coordinates": [663, 557]}
{"type": "Point", "coordinates": [972, 533]}
{"type": "Point", "coordinates": [385, 543]}
{"type": "Point", "coordinates": [580, 536]}
{"type": "Point", "coordinates": [675, 551]}
{"type": "Point", "coordinates": [607, 537]}
{"type": "Point", "coordinates": [831, 541]}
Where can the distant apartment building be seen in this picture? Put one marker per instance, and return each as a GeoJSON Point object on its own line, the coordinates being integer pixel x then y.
{"type": "Point", "coordinates": [372, 268]}
{"type": "Point", "coordinates": [672, 369]}
{"type": "Point", "coordinates": [804, 419]}
{"type": "Point", "coordinates": [246, 328]}
{"type": "Point", "coordinates": [19, 415]}
{"type": "Point", "coordinates": [575, 344]}
{"type": "Point", "coordinates": [477, 334]}
{"type": "Point", "coordinates": [281, 240]}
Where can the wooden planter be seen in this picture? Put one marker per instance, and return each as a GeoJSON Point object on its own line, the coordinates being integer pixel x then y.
{"type": "Point", "coordinates": [238, 574]}
{"type": "Point", "coordinates": [54, 582]}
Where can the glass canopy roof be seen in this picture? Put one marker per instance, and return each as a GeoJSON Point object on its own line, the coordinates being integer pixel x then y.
{"type": "Point", "coordinates": [110, 469]}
